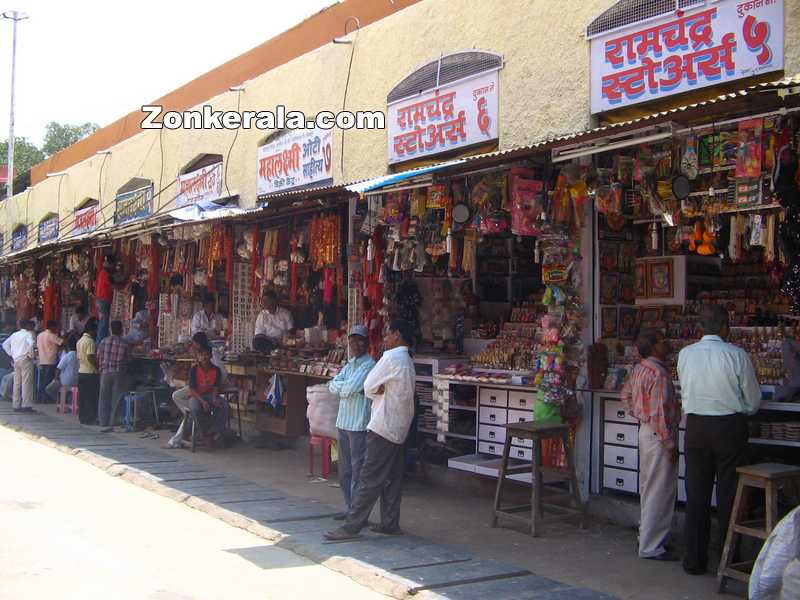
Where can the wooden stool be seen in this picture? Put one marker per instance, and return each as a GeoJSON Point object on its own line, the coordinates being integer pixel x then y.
{"type": "Point", "coordinates": [768, 477]}
{"type": "Point", "coordinates": [536, 433]}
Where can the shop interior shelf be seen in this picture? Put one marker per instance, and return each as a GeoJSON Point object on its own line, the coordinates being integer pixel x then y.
{"type": "Point", "coordinates": [424, 430]}
{"type": "Point", "coordinates": [426, 403]}
{"type": "Point", "coordinates": [463, 407]}
{"type": "Point", "coordinates": [460, 436]}
{"type": "Point", "coordinates": [784, 406]}
{"type": "Point", "coordinates": [767, 442]}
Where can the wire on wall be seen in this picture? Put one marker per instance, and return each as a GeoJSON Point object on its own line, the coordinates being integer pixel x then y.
{"type": "Point", "coordinates": [347, 85]}
{"type": "Point", "coordinates": [235, 136]}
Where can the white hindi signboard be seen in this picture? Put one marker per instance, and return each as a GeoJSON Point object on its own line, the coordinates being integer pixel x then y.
{"type": "Point", "coordinates": [451, 116]}
{"type": "Point", "coordinates": [200, 185]}
{"type": "Point", "coordinates": [718, 42]}
{"type": "Point", "coordinates": [298, 159]}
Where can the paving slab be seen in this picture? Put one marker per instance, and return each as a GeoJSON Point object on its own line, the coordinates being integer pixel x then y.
{"type": "Point", "coordinates": [319, 525]}
{"type": "Point", "coordinates": [222, 483]}
{"type": "Point", "coordinates": [172, 478]}
{"type": "Point", "coordinates": [455, 573]}
{"type": "Point", "coordinates": [385, 552]}
{"type": "Point", "coordinates": [531, 587]}
{"type": "Point", "coordinates": [284, 511]}
{"type": "Point", "coordinates": [234, 496]}
{"type": "Point", "coordinates": [167, 468]}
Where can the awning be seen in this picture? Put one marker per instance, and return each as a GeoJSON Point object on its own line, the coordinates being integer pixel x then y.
{"type": "Point", "coordinates": [206, 210]}
{"type": "Point", "coordinates": [368, 185]}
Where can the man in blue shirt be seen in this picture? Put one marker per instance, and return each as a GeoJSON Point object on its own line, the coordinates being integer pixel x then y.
{"type": "Point", "coordinates": [354, 414]}
{"type": "Point", "coordinates": [719, 389]}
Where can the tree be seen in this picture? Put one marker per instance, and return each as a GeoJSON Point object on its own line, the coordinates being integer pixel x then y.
{"type": "Point", "coordinates": [59, 136]}
{"type": "Point", "coordinates": [26, 154]}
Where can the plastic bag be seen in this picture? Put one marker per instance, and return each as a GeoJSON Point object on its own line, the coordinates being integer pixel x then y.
{"type": "Point", "coordinates": [781, 547]}
{"type": "Point", "coordinates": [323, 409]}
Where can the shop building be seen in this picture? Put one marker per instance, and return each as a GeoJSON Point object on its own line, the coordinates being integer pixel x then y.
{"type": "Point", "coordinates": [548, 192]}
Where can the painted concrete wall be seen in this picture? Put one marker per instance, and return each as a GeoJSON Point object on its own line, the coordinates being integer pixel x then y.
{"type": "Point", "coordinates": [544, 90]}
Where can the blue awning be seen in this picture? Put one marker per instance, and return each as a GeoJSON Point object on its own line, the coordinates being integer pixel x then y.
{"type": "Point", "coordinates": [368, 185]}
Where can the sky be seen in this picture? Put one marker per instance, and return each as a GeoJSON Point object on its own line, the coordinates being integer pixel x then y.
{"type": "Point", "coordinates": [89, 60]}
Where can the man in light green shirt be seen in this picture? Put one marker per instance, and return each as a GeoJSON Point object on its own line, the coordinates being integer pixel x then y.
{"type": "Point", "coordinates": [718, 390]}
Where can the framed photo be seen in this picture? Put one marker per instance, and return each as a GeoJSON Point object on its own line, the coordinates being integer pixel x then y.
{"type": "Point", "coordinates": [640, 280]}
{"type": "Point", "coordinates": [627, 290]}
{"type": "Point", "coordinates": [659, 279]}
{"type": "Point", "coordinates": [648, 315]}
{"type": "Point", "coordinates": [608, 321]}
{"type": "Point", "coordinates": [609, 287]}
{"type": "Point", "coordinates": [609, 252]}
{"type": "Point", "coordinates": [627, 322]}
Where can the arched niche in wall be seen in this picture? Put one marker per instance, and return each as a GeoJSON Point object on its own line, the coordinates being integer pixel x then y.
{"type": "Point", "coordinates": [48, 228]}
{"type": "Point", "coordinates": [201, 180]}
{"type": "Point", "coordinates": [85, 217]}
{"type": "Point", "coordinates": [133, 201]}
{"type": "Point", "coordinates": [445, 106]}
{"type": "Point", "coordinates": [19, 237]}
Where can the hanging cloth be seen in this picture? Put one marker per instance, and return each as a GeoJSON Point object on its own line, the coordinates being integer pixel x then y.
{"type": "Point", "coordinates": [327, 290]}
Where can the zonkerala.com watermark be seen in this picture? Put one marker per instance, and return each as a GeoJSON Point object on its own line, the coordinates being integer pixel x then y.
{"type": "Point", "coordinates": [280, 118]}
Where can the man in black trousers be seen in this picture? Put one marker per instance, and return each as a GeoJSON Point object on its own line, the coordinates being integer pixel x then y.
{"type": "Point", "coordinates": [390, 386]}
{"type": "Point", "coordinates": [718, 390]}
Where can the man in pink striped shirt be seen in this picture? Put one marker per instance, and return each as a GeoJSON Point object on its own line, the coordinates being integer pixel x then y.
{"type": "Point", "coordinates": [649, 397]}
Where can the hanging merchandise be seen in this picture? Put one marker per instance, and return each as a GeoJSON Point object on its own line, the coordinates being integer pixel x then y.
{"type": "Point", "coordinates": [324, 241]}
{"type": "Point", "coordinates": [689, 159]}
{"type": "Point", "coordinates": [526, 202]}
{"type": "Point", "coordinates": [748, 157]}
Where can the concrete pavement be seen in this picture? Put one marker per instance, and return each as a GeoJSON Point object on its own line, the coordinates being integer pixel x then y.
{"type": "Point", "coordinates": [70, 531]}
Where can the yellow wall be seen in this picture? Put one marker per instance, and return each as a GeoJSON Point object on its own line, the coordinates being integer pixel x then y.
{"type": "Point", "coordinates": [544, 90]}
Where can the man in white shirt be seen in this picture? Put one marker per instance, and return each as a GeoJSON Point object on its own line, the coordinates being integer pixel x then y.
{"type": "Point", "coordinates": [390, 386]}
{"type": "Point", "coordinates": [273, 322]}
{"type": "Point", "coordinates": [77, 321]}
{"type": "Point", "coordinates": [719, 389]}
{"type": "Point", "coordinates": [20, 346]}
{"type": "Point", "coordinates": [207, 321]}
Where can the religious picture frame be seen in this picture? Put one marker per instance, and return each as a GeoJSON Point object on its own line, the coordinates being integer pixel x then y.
{"type": "Point", "coordinates": [660, 282]}
{"type": "Point", "coordinates": [608, 322]}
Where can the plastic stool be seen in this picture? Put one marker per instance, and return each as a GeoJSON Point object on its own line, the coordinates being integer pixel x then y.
{"type": "Point", "coordinates": [132, 401]}
{"type": "Point", "coordinates": [62, 399]}
{"type": "Point", "coordinates": [324, 444]}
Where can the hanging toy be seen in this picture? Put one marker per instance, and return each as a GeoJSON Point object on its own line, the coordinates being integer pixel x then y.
{"type": "Point", "coordinates": [707, 248]}
{"type": "Point", "coordinates": [697, 236]}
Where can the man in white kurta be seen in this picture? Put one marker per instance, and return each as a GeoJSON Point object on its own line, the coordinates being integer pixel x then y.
{"type": "Point", "coordinates": [273, 322]}
{"type": "Point", "coordinates": [390, 386]}
{"type": "Point", "coordinates": [20, 346]}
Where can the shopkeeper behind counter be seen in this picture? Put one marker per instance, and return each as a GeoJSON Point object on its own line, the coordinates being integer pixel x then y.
{"type": "Point", "coordinates": [207, 321]}
{"type": "Point", "coordinates": [272, 323]}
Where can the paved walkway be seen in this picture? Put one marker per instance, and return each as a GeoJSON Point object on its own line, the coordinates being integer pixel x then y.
{"type": "Point", "coordinates": [397, 566]}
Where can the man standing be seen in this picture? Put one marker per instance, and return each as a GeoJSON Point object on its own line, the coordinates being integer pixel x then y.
{"type": "Point", "coordinates": [273, 322]}
{"type": "Point", "coordinates": [390, 386]}
{"type": "Point", "coordinates": [88, 379]}
{"type": "Point", "coordinates": [104, 296]}
{"type": "Point", "coordinates": [77, 321]}
{"type": "Point", "coordinates": [649, 397]}
{"type": "Point", "coordinates": [112, 357]}
{"type": "Point", "coordinates": [20, 346]}
{"type": "Point", "coordinates": [718, 390]}
{"type": "Point", "coordinates": [47, 343]}
{"type": "Point", "coordinates": [354, 414]}
{"type": "Point", "coordinates": [206, 320]}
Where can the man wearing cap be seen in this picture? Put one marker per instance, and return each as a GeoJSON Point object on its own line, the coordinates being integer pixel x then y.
{"type": "Point", "coordinates": [354, 414]}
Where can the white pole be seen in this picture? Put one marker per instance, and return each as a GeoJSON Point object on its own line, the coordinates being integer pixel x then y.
{"type": "Point", "coordinates": [14, 16]}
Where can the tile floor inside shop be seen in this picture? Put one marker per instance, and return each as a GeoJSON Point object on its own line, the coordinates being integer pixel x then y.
{"type": "Point", "coordinates": [602, 558]}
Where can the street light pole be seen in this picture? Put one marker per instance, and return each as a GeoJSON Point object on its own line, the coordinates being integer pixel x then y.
{"type": "Point", "coordinates": [14, 16]}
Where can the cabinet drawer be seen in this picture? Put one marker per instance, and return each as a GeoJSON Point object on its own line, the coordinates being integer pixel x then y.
{"type": "Point", "coordinates": [623, 481]}
{"type": "Point", "coordinates": [493, 416]}
{"type": "Point", "coordinates": [491, 397]}
{"type": "Point", "coordinates": [520, 416]}
{"type": "Point", "coordinates": [524, 443]}
{"type": "Point", "coordinates": [615, 411]}
{"type": "Point", "coordinates": [521, 400]}
{"type": "Point", "coordinates": [521, 453]}
{"type": "Point", "coordinates": [490, 448]}
{"type": "Point", "coordinates": [490, 433]}
{"type": "Point", "coordinates": [626, 435]}
{"type": "Point", "coordinates": [622, 457]}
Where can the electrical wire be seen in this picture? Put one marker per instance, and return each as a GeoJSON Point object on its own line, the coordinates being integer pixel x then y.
{"type": "Point", "coordinates": [347, 86]}
{"type": "Point", "coordinates": [235, 136]}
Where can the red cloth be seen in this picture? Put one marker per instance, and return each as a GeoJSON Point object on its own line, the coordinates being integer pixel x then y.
{"type": "Point", "coordinates": [49, 301]}
{"type": "Point", "coordinates": [203, 380]}
{"type": "Point", "coordinates": [327, 290]}
{"type": "Point", "coordinates": [102, 287]}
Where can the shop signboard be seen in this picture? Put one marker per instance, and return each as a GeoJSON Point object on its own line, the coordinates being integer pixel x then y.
{"type": "Point", "coordinates": [133, 205]}
{"type": "Point", "coordinates": [19, 238]}
{"type": "Point", "coordinates": [48, 229]}
{"type": "Point", "coordinates": [452, 116]}
{"type": "Point", "coordinates": [201, 185]}
{"type": "Point", "coordinates": [85, 220]}
{"type": "Point", "coordinates": [298, 159]}
{"type": "Point", "coordinates": [686, 51]}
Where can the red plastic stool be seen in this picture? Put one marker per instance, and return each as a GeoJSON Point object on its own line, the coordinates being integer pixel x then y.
{"type": "Point", "coordinates": [324, 444]}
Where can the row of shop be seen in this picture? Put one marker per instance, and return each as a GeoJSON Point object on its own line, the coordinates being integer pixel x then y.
{"type": "Point", "coordinates": [525, 273]}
